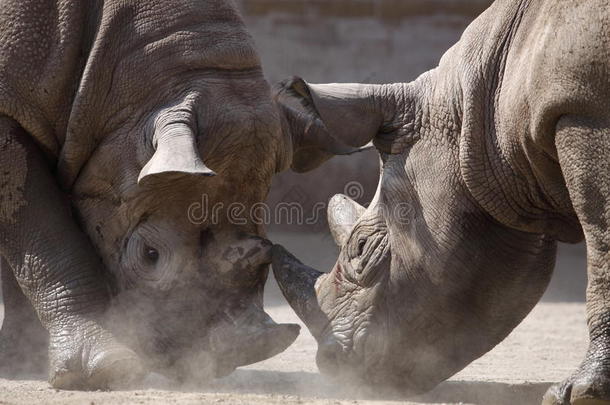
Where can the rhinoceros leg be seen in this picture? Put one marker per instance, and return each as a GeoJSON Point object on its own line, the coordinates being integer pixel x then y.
{"type": "Point", "coordinates": [583, 147]}
{"type": "Point", "coordinates": [57, 269]}
{"type": "Point", "coordinates": [23, 339]}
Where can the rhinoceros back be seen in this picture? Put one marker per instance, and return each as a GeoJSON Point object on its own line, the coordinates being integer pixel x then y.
{"type": "Point", "coordinates": [40, 64]}
{"type": "Point", "coordinates": [521, 65]}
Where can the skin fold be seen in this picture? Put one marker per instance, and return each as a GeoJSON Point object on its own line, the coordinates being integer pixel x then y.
{"type": "Point", "coordinates": [487, 161]}
{"type": "Point", "coordinates": [128, 130]}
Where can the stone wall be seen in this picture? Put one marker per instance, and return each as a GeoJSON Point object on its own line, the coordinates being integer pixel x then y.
{"type": "Point", "coordinates": [372, 41]}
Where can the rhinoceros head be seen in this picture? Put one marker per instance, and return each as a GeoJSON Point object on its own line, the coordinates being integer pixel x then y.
{"type": "Point", "coordinates": [167, 196]}
{"type": "Point", "coordinates": [426, 281]}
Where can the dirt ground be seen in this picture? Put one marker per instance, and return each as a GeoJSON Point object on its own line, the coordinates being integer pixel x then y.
{"type": "Point", "coordinates": [544, 349]}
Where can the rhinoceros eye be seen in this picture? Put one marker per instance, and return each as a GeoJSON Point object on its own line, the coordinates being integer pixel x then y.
{"type": "Point", "coordinates": [361, 246]}
{"type": "Point", "coordinates": [151, 255]}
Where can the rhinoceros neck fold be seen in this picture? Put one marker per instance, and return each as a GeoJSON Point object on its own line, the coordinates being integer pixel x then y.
{"type": "Point", "coordinates": [499, 156]}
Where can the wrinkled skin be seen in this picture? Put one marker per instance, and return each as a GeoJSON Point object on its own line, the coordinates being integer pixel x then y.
{"type": "Point", "coordinates": [127, 131]}
{"type": "Point", "coordinates": [487, 161]}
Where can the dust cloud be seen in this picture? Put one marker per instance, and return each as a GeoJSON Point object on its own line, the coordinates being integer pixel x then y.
{"type": "Point", "coordinates": [544, 349]}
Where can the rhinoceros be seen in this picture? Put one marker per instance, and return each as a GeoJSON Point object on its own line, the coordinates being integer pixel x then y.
{"type": "Point", "coordinates": [487, 161]}
{"type": "Point", "coordinates": [116, 117]}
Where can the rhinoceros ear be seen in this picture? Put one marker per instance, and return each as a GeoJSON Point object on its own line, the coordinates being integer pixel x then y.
{"type": "Point", "coordinates": [175, 154]}
{"type": "Point", "coordinates": [343, 212]}
{"type": "Point", "coordinates": [349, 111]}
{"type": "Point", "coordinates": [309, 143]}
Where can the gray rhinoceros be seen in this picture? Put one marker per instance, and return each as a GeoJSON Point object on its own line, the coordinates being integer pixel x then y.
{"type": "Point", "coordinates": [488, 160]}
{"type": "Point", "coordinates": [108, 111]}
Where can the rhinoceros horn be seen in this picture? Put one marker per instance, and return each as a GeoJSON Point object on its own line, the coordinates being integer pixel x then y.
{"type": "Point", "coordinates": [343, 212]}
{"type": "Point", "coordinates": [175, 154]}
{"type": "Point", "coordinates": [297, 282]}
{"type": "Point", "coordinates": [250, 336]}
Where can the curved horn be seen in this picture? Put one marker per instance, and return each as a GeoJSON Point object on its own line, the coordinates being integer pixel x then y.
{"type": "Point", "coordinates": [176, 154]}
{"type": "Point", "coordinates": [297, 283]}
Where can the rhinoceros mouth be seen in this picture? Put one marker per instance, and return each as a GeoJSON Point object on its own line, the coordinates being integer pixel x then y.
{"type": "Point", "coordinates": [223, 352]}
{"type": "Point", "coordinates": [355, 350]}
{"type": "Point", "coordinates": [207, 347]}
{"type": "Point", "coordinates": [369, 372]}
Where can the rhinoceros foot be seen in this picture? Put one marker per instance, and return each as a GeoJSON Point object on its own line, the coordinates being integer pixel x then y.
{"type": "Point", "coordinates": [570, 393]}
{"type": "Point", "coordinates": [578, 393]}
{"type": "Point", "coordinates": [589, 385]}
{"type": "Point", "coordinates": [89, 358]}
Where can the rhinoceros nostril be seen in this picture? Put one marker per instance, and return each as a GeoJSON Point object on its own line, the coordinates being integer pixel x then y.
{"type": "Point", "coordinates": [205, 238]}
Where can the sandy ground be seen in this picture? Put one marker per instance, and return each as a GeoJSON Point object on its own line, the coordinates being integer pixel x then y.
{"type": "Point", "coordinates": [543, 349]}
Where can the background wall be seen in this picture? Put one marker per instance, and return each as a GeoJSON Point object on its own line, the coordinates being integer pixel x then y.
{"type": "Point", "coordinates": [369, 41]}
